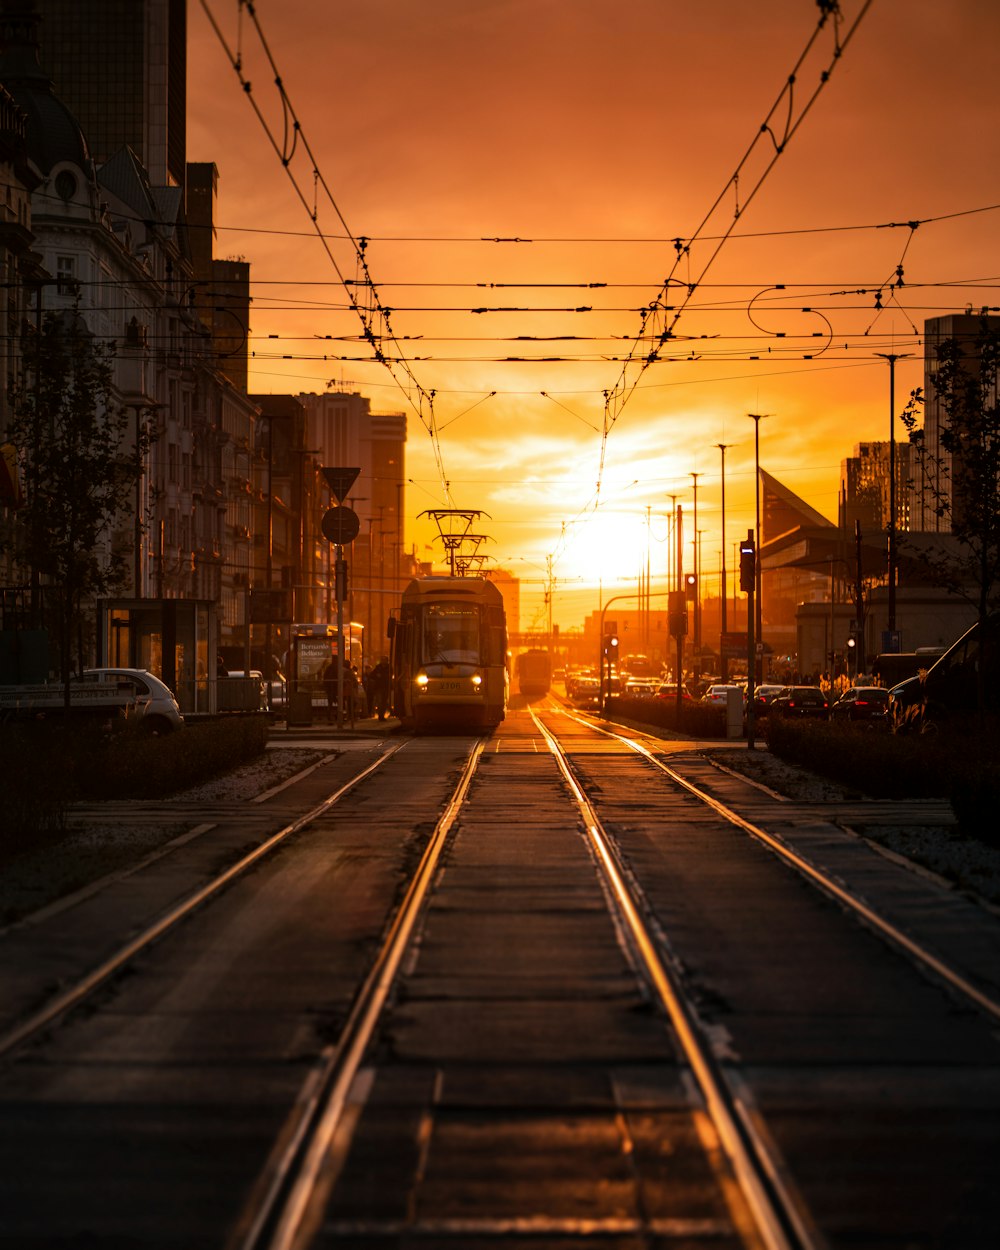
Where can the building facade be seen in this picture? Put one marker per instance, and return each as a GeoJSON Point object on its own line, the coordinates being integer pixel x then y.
{"type": "Point", "coordinates": [347, 434]}
{"type": "Point", "coordinates": [111, 243]}
{"type": "Point", "coordinates": [934, 482]}
{"type": "Point", "coordinates": [865, 493]}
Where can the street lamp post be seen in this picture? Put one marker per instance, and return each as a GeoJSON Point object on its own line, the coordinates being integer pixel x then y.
{"type": "Point", "coordinates": [892, 357]}
{"type": "Point", "coordinates": [757, 677]}
{"type": "Point", "coordinates": [723, 660]}
{"type": "Point", "coordinates": [670, 532]}
{"type": "Point", "coordinates": [697, 583]}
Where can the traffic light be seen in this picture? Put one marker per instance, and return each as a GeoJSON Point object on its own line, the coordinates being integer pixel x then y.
{"type": "Point", "coordinates": [748, 565]}
{"type": "Point", "coordinates": [691, 585]}
{"type": "Point", "coordinates": [677, 613]}
{"type": "Point", "coordinates": [611, 648]}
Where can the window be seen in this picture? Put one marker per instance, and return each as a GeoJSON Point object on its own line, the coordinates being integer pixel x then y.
{"type": "Point", "coordinates": [451, 634]}
{"type": "Point", "coordinates": [66, 275]}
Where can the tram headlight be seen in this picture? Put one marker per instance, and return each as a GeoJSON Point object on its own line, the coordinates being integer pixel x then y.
{"type": "Point", "coordinates": [477, 680]}
{"type": "Point", "coordinates": [422, 680]}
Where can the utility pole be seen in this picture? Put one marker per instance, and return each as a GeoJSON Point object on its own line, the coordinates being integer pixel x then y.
{"type": "Point", "coordinates": [859, 610]}
{"type": "Point", "coordinates": [723, 661]}
{"type": "Point", "coordinates": [892, 357]}
{"type": "Point", "coordinates": [697, 583]}
{"type": "Point", "coordinates": [756, 418]}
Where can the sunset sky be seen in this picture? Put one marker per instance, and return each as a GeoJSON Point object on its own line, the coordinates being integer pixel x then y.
{"type": "Point", "coordinates": [587, 137]}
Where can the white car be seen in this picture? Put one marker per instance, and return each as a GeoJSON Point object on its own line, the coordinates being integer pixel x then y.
{"type": "Point", "coordinates": [719, 695]}
{"type": "Point", "coordinates": [154, 701]}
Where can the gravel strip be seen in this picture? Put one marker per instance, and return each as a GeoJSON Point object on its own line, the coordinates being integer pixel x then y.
{"type": "Point", "coordinates": [961, 861]}
{"type": "Point", "coordinates": [91, 849]}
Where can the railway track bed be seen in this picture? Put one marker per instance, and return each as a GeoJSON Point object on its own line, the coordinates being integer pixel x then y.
{"type": "Point", "coordinates": [556, 987]}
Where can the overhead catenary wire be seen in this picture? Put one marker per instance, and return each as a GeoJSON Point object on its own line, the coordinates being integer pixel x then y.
{"type": "Point", "coordinates": [624, 387]}
{"type": "Point", "coordinates": [375, 320]}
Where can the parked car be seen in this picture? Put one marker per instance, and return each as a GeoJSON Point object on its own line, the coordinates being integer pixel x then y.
{"type": "Point", "coordinates": [801, 701]}
{"type": "Point", "coordinates": [586, 692]}
{"type": "Point", "coordinates": [243, 692]}
{"type": "Point", "coordinates": [950, 687]}
{"type": "Point", "coordinates": [868, 704]}
{"type": "Point", "coordinates": [154, 701]}
{"type": "Point", "coordinates": [763, 697]}
{"type": "Point", "coordinates": [719, 695]}
{"type": "Point", "coordinates": [668, 690]}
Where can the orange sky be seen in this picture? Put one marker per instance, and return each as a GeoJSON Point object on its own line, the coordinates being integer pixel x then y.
{"type": "Point", "coordinates": [596, 134]}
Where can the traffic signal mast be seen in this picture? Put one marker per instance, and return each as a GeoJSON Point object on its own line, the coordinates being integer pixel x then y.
{"type": "Point", "coordinates": [748, 584]}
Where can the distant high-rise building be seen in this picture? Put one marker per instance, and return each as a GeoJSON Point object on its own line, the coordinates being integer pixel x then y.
{"type": "Point", "coordinates": [865, 493]}
{"type": "Point", "coordinates": [121, 68]}
{"type": "Point", "coordinates": [347, 434]}
{"type": "Point", "coordinates": [222, 287]}
{"type": "Point", "coordinates": [934, 485]}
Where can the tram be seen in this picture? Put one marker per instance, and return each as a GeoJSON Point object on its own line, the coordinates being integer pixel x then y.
{"type": "Point", "coordinates": [448, 654]}
{"type": "Point", "coordinates": [534, 673]}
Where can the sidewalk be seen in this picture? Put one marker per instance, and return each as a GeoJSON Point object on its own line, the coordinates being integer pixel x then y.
{"type": "Point", "coordinates": [366, 727]}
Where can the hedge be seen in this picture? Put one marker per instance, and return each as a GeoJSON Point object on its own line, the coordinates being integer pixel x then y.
{"type": "Point", "coordinates": [48, 765]}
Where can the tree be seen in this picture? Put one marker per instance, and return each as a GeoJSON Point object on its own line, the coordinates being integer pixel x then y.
{"type": "Point", "coordinates": [81, 469]}
{"type": "Point", "coordinates": [963, 475]}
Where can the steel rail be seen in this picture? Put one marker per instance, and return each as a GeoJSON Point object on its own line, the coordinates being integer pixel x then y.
{"type": "Point", "coordinates": [290, 1179]}
{"type": "Point", "coordinates": [79, 991]}
{"type": "Point", "coordinates": [760, 1176]}
{"type": "Point", "coordinates": [885, 928]}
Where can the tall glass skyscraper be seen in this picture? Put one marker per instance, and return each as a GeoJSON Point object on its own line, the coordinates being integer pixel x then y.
{"type": "Point", "coordinates": [121, 67]}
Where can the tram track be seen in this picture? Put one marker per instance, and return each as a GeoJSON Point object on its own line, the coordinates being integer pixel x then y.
{"type": "Point", "coordinates": [777, 1210]}
{"type": "Point", "coordinates": [292, 1175]}
{"type": "Point", "coordinates": [80, 990]}
{"type": "Point", "coordinates": [568, 1028]}
{"type": "Point", "coordinates": [781, 1218]}
{"type": "Point", "coordinates": [286, 1216]}
{"type": "Point", "coordinates": [987, 1002]}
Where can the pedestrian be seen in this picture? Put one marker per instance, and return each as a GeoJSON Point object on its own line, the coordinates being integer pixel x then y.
{"type": "Point", "coordinates": [380, 688]}
{"type": "Point", "coordinates": [328, 676]}
{"type": "Point", "coordinates": [350, 692]}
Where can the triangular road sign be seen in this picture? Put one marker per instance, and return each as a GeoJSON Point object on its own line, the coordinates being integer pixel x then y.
{"type": "Point", "coordinates": [340, 481]}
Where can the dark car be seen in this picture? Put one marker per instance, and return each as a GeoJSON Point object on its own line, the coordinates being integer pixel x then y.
{"type": "Point", "coordinates": [800, 701]}
{"type": "Point", "coordinates": [950, 689]}
{"type": "Point", "coordinates": [763, 697]}
{"type": "Point", "coordinates": [867, 704]}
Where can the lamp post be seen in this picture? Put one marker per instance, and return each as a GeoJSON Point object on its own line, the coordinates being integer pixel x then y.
{"type": "Point", "coordinates": [892, 357]}
{"type": "Point", "coordinates": [670, 532]}
{"type": "Point", "coordinates": [755, 677]}
{"type": "Point", "coordinates": [697, 583]}
{"type": "Point", "coordinates": [723, 660]}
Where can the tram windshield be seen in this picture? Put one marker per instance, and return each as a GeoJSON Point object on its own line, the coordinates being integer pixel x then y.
{"type": "Point", "coordinates": [451, 634]}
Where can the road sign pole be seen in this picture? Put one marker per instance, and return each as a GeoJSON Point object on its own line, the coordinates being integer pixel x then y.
{"type": "Point", "coordinates": [340, 640]}
{"type": "Point", "coordinates": [340, 525]}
